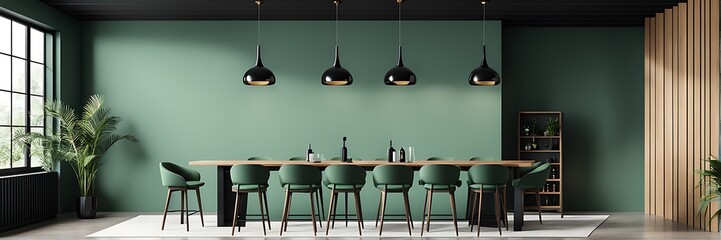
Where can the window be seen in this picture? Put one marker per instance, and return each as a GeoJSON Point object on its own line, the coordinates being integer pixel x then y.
{"type": "Point", "coordinates": [25, 73]}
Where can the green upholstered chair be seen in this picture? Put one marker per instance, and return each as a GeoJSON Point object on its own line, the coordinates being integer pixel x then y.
{"type": "Point", "coordinates": [345, 178]}
{"type": "Point", "coordinates": [297, 159]}
{"type": "Point", "coordinates": [260, 158]}
{"type": "Point", "coordinates": [298, 178]}
{"type": "Point", "coordinates": [320, 203]}
{"type": "Point", "coordinates": [483, 159]}
{"type": "Point", "coordinates": [177, 178]}
{"type": "Point", "coordinates": [440, 158]}
{"type": "Point", "coordinates": [487, 178]}
{"type": "Point", "coordinates": [524, 170]}
{"type": "Point", "coordinates": [393, 179]}
{"type": "Point", "coordinates": [250, 178]}
{"type": "Point", "coordinates": [533, 181]}
{"type": "Point", "coordinates": [439, 178]}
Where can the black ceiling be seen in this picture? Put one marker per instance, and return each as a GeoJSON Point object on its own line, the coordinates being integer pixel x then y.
{"type": "Point", "coordinates": [511, 12]}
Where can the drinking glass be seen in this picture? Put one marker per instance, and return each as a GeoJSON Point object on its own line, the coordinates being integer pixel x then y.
{"type": "Point", "coordinates": [411, 154]}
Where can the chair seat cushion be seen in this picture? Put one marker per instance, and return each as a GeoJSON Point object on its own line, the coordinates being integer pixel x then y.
{"type": "Point", "coordinates": [439, 186]}
{"type": "Point", "coordinates": [393, 187]}
{"type": "Point", "coordinates": [195, 183]}
{"type": "Point", "coordinates": [249, 187]}
{"type": "Point", "coordinates": [515, 185]}
{"type": "Point", "coordinates": [486, 186]}
{"type": "Point", "coordinates": [300, 187]}
{"type": "Point", "coordinates": [344, 186]}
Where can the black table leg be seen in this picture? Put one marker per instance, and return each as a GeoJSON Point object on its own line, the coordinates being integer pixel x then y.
{"type": "Point", "coordinates": [226, 199]}
{"type": "Point", "coordinates": [518, 209]}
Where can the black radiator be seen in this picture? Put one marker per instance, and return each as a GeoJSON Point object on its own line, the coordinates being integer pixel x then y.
{"type": "Point", "coordinates": [27, 198]}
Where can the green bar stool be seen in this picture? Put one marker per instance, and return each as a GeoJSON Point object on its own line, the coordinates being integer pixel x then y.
{"type": "Point", "coordinates": [345, 178]}
{"type": "Point", "coordinates": [345, 198]}
{"type": "Point", "coordinates": [250, 178]}
{"type": "Point", "coordinates": [439, 178]}
{"type": "Point", "coordinates": [394, 179]}
{"type": "Point", "coordinates": [525, 170]}
{"type": "Point", "coordinates": [533, 181]}
{"type": "Point", "coordinates": [260, 158]}
{"type": "Point", "coordinates": [297, 159]}
{"type": "Point", "coordinates": [296, 178]}
{"type": "Point", "coordinates": [177, 178]}
{"type": "Point", "coordinates": [320, 204]}
{"type": "Point", "coordinates": [487, 178]}
{"type": "Point", "coordinates": [440, 158]}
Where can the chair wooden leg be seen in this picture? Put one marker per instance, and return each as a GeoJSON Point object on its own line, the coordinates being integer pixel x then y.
{"type": "Point", "coordinates": [538, 204]}
{"type": "Point", "coordinates": [165, 212]}
{"type": "Point", "coordinates": [453, 210]}
{"type": "Point", "coordinates": [182, 207]}
{"type": "Point", "coordinates": [473, 210]}
{"type": "Point", "coordinates": [409, 219]}
{"type": "Point", "coordinates": [425, 210]}
{"type": "Point", "coordinates": [187, 211]}
{"type": "Point", "coordinates": [384, 196]}
{"type": "Point", "coordinates": [312, 212]}
{"type": "Point", "coordinates": [235, 214]}
{"type": "Point", "coordinates": [331, 210]}
{"type": "Point", "coordinates": [358, 215]}
{"type": "Point", "coordinates": [200, 207]}
{"type": "Point", "coordinates": [480, 206]}
{"type": "Point", "coordinates": [262, 210]}
{"type": "Point", "coordinates": [319, 206]}
{"type": "Point", "coordinates": [265, 198]}
{"type": "Point", "coordinates": [346, 209]}
{"type": "Point", "coordinates": [284, 215]}
{"type": "Point", "coordinates": [335, 208]}
{"type": "Point", "coordinates": [380, 204]}
{"type": "Point", "coordinates": [322, 204]}
{"type": "Point", "coordinates": [360, 209]}
{"type": "Point", "coordinates": [504, 208]}
{"type": "Point", "coordinates": [498, 211]}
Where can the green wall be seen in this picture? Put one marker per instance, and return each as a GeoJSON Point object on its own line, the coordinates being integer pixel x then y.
{"type": "Point", "coordinates": [67, 68]}
{"type": "Point", "coordinates": [178, 87]}
{"type": "Point", "coordinates": [595, 77]}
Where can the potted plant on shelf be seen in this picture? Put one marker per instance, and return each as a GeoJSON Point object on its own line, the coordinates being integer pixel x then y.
{"type": "Point", "coordinates": [552, 127]}
{"type": "Point", "coordinates": [712, 178]}
{"type": "Point", "coordinates": [81, 141]}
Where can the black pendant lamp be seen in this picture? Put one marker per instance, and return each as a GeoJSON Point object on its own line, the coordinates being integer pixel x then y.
{"type": "Point", "coordinates": [400, 75]}
{"type": "Point", "coordinates": [336, 75]}
{"type": "Point", "coordinates": [484, 75]}
{"type": "Point", "coordinates": [259, 75]}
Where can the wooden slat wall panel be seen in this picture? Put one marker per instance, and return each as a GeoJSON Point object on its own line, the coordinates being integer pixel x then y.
{"type": "Point", "coordinates": [681, 100]}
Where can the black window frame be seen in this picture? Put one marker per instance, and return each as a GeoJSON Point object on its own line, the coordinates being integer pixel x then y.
{"type": "Point", "coordinates": [48, 91]}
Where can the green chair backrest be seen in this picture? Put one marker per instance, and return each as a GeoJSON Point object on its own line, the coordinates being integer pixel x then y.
{"type": "Point", "coordinates": [392, 175]}
{"type": "Point", "coordinates": [172, 175]}
{"type": "Point", "coordinates": [440, 174]}
{"type": "Point", "coordinates": [483, 159]}
{"type": "Point", "coordinates": [345, 174]}
{"type": "Point", "coordinates": [488, 174]}
{"type": "Point", "coordinates": [299, 174]}
{"type": "Point", "coordinates": [249, 174]}
{"type": "Point", "coordinates": [536, 178]}
{"type": "Point", "coordinates": [526, 170]}
{"type": "Point", "coordinates": [260, 158]}
{"type": "Point", "coordinates": [440, 158]}
{"type": "Point", "coordinates": [297, 159]}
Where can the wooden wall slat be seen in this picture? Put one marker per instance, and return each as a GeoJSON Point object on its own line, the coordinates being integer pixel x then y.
{"type": "Point", "coordinates": [704, 96]}
{"type": "Point", "coordinates": [696, 103]}
{"type": "Point", "coordinates": [683, 116]}
{"type": "Point", "coordinates": [659, 115]}
{"type": "Point", "coordinates": [714, 89]}
{"type": "Point", "coordinates": [646, 102]}
{"type": "Point", "coordinates": [690, 98]}
{"type": "Point", "coordinates": [674, 113]}
{"type": "Point", "coordinates": [667, 115]}
{"type": "Point", "coordinates": [652, 117]}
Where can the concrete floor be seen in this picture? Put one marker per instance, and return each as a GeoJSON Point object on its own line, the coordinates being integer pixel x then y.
{"type": "Point", "coordinates": [618, 226]}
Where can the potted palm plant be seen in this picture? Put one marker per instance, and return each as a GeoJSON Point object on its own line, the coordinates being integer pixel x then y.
{"type": "Point", "coordinates": [712, 178]}
{"type": "Point", "coordinates": [81, 140]}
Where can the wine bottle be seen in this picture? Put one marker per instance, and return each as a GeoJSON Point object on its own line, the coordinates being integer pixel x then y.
{"type": "Point", "coordinates": [344, 152]}
{"type": "Point", "coordinates": [391, 153]}
{"type": "Point", "coordinates": [402, 155]}
{"type": "Point", "coordinates": [309, 154]}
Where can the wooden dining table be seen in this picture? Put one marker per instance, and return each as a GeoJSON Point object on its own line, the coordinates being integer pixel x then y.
{"type": "Point", "coordinates": [226, 198]}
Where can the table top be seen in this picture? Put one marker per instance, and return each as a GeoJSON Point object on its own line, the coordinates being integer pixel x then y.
{"type": "Point", "coordinates": [362, 163]}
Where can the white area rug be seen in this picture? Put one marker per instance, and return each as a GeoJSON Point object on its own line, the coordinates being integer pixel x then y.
{"type": "Point", "coordinates": [148, 226]}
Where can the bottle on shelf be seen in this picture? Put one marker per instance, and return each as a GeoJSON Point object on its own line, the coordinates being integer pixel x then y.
{"type": "Point", "coordinates": [309, 154]}
{"type": "Point", "coordinates": [344, 152]}
{"type": "Point", "coordinates": [402, 155]}
{"type": "Point", "coordinates": [391, 153]}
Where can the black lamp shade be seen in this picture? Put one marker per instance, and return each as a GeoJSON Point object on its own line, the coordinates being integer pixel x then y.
{"type": "Point", "coordinates": [484, 75]}
{"type": "Point", "coordinates": [259, 75]}
{"type": "Point", "coordinates": [400, 75]}
{"type": "Point", "coordinates": [336, 75]}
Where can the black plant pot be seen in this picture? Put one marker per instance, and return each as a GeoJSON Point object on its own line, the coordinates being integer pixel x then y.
{"type": "Point", "coordinates": [86, 207]}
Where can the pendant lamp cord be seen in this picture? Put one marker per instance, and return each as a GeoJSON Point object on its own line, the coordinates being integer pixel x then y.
{"type": "Point", "coordinates": [400, 8]}
{"type": "Point", "coordinates": [484, 23]}
{"type": "Point", "coordinates": [336, 23]}
{"type": "Point", "coordinates": [258, 40]}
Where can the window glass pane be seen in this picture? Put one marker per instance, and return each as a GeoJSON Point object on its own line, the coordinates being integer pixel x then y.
{"type": "Point", "coordinates": [36, 150]}
{"type": "Point", "coordinates": [37, 45]}
{"type": "Point", "coordinates": [37, 79]}
{"type": "Point", "coordinates": [4, 147]}
{"type": "Point", "coordinates": [37, 113]}
{"type": "Point", "coordinates": [19, 41]}
{"type": "Point", "coordinates": [19, 79]}
{"type": "Point", "coordinates": [18, 153]}
{"type": "Point", "coordinates": [5, 74]}
{"type": "Point", "coordinates": [48, 51]}
{"type": "Point", "coordinates": [19, 109]}
{"type": "Point", "coordinates": [4, 35]}
{"type": "Point", "coordinates": [4, 108]}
